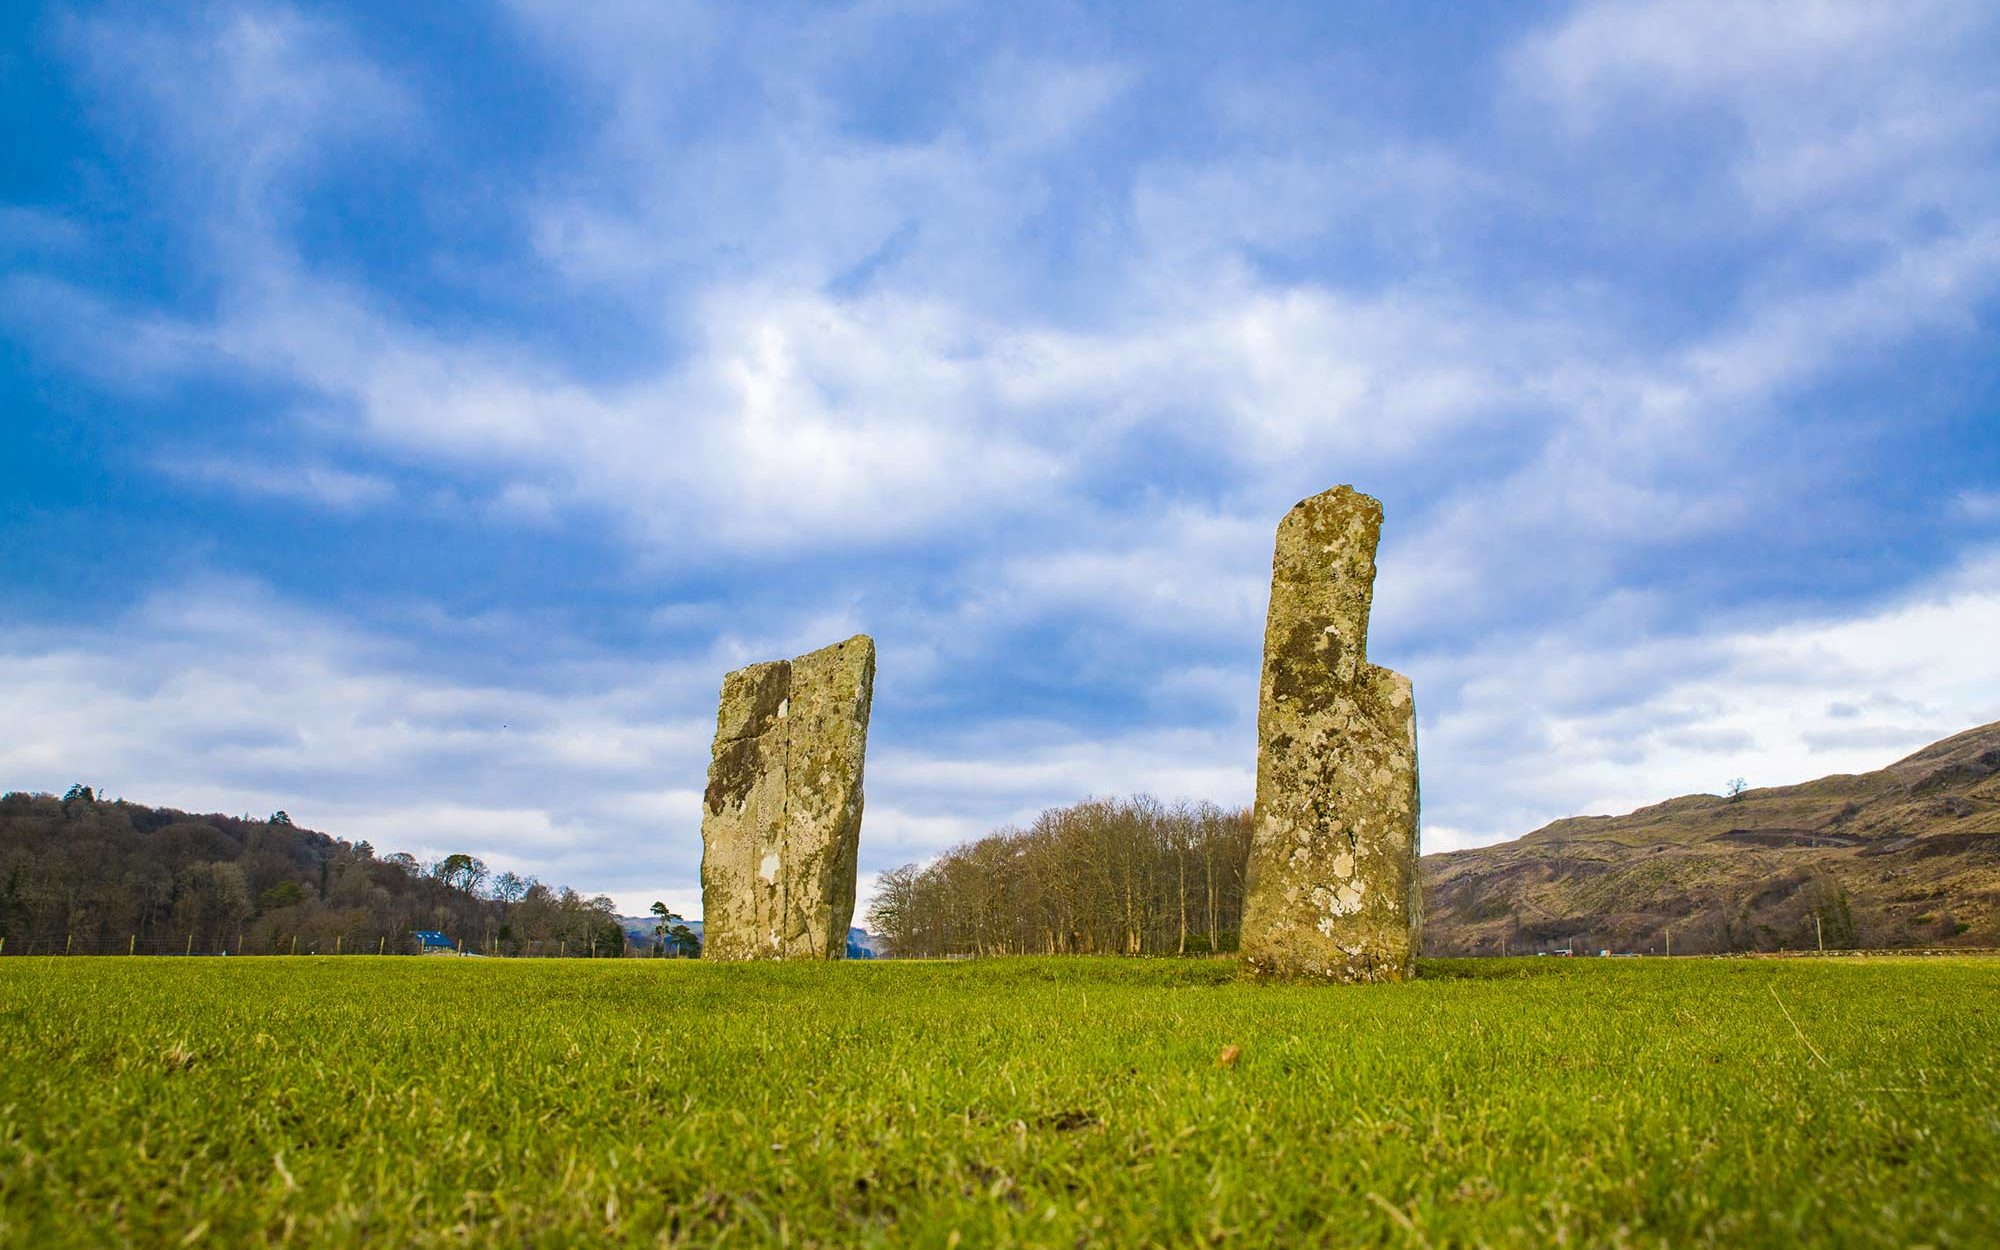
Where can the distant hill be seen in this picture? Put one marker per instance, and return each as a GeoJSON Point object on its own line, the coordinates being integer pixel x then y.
{"type": "Point", "coordinates": [861, 944]}
{"type": "Point", "coordinates": [1905, 856]}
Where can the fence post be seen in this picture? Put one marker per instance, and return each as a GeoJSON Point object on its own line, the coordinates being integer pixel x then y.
{"type": "Point", "coordinates": [71, 941]}
{"type": "Point", "coordinates": [190, 949]}
{"type": "Point", "coordinates": [339, 940]}
{"type": "Point", "coordinates": [382, 947]}
{"type": "Point", "coordinates": [295, 943]}
{"type": "Point", "coordinates": [239, 941]}
{"type": "Point", "coordinates": [133, 948]}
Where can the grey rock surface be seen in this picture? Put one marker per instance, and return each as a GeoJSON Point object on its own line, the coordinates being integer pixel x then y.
{"type": "Point", "coordinates": [1333, 891]}
{"type": "Point", "coordinates": [781, 818]}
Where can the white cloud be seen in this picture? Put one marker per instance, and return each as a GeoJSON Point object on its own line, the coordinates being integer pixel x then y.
{"type": "Point", "coordinates": [319, 484]}
{"type": "Point", "coordinates": [220, 696]}
{"type": "Point", "coordinates": [1176, 573]}
{"type": "Point", "coordinates": [790, 419]}
{"type": "Point", "coordinates": [1538, 730]}
{"type": "Point", "coordinates": [216, 695]}
{"type": "Point", "coordinates": [526, 504]}
{"type": "Point", "coordinates": [1849, 112]}
{"type": "Point", "coordinates": [854, 357]}
{"type": "Point", "coordinates": [1007, 771]}
{"type": "Point", "coordinates": [25, 230]}
{"type": "Point", "coordinates": [132, 351]}
{"type": "Point", "coordinates": [247, 96]}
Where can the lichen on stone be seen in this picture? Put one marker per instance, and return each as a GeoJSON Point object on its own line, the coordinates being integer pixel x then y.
{"type": "Point", "coordinates": [1333, 883]}
{"type": "Point", "coordinates": [781, 820]}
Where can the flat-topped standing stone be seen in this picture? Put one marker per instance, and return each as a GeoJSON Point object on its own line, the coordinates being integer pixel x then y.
{"type": "Point", "coordinates": [781, 821]}
{"type": "Point", "coordinates": [1333, 888]}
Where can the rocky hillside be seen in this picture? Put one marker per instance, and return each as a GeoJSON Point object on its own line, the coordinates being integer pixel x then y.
{"type": "Point", "coordinates": [1907, 856]}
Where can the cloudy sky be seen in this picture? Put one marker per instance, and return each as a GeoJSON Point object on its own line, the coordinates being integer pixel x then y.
{"type": "Point", "coordinates": [411, 411]}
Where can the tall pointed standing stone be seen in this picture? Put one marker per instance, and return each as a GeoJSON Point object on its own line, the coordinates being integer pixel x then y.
{"type": "Point", "coordinates": [1333, 887]}
{"type": "Point", "coordinates": [781, 820]}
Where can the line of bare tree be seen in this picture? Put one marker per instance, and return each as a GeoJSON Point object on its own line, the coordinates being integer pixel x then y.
{"type": "Point", "coordinates": [86, 875]}
{"type": "Point", "coordinates": [1104, 876]}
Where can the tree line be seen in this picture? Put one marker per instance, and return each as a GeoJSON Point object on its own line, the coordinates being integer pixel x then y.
{"type": "Point", "coordinates": [84, 874]}
{"type": "Point", "coordinates": [1104, 876]}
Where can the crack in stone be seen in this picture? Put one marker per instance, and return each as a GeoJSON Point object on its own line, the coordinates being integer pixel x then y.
{"type": "Point", "coordinates": [782, 813]}
{"type": "Point", "coordinates": [1333, 878]}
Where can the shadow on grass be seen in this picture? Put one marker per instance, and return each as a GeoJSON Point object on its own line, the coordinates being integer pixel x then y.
{"type": "Point", "coordinates": [1167, 971]}
{"type": "Point", "coordinates": [1489, 969]}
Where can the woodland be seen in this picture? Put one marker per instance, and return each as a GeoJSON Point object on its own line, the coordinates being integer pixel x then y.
{"type": "Point", "coordinates": [1125, 876]}
{"type": "Point", "coordinates": [87, 875]}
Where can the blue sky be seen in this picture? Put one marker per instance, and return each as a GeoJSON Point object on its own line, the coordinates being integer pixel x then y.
{"type": "Point", "coordinates": [410, 412]}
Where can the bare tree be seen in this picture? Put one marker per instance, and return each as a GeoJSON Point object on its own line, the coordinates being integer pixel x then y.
{"type": "Point", "coordinates": [1105, 875]}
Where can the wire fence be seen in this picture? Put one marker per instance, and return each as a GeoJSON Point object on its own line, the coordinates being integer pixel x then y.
{"type": "Point", "coordinates": [249, 943]}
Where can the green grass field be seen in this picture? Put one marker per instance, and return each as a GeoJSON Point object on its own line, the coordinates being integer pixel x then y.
{"type": "Point", "coordinates": [1035, 1102]}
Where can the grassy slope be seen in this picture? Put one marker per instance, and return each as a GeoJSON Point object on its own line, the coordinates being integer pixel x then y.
{"type": "Point", "coordinates": [1064, 1102]}
{"type": "Point", "coordinates": [1915, 846]}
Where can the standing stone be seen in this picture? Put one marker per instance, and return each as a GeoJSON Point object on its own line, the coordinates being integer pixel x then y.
{"type": "Point", "coordinates": [1333, 888]}
{"type": "Point", "coordinates": [781, 821]}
